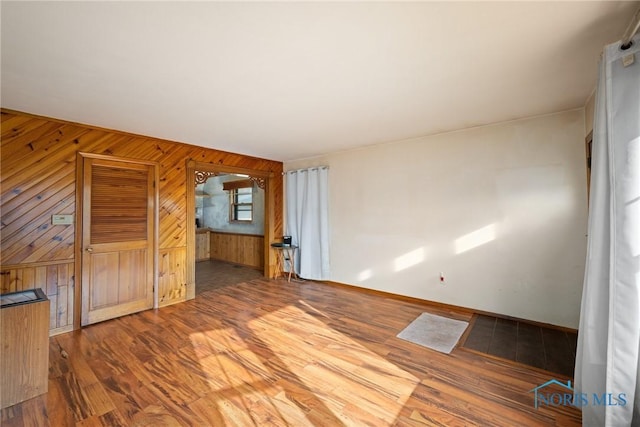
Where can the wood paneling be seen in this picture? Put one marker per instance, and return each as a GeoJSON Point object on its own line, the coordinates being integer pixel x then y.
{"type": "Point", "coordinates": [24, 353]}
{"type": "Point", "coordinates": [57, 282]}
{"type": "Point", "coordinates": [172, 284]}
{"type": "Point", "coordinates": [203, 246]}
{"type": "Point", "coordinates": [38, 179]}
{"type": "Point", "coordinates": [242, 249]}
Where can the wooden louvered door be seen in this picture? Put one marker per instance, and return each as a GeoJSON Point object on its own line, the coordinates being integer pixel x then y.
{"type": "Point", "coordinates": [118, 215]}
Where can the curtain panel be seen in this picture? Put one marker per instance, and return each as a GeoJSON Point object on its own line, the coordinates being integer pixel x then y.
{"type": "Point", "coordinates": [307, 220]}
{"type": "Point", "coordinates": [607, 359]}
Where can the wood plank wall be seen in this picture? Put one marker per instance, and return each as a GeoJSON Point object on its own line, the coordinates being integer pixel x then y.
{"type": "Point", "coordinates": [245, 249]}
{"type": "Point", "coordinates": [172, 276]}
{"type": "Point", "coordinates": [38, 179]}
{"type": "Point", "coordinates": [203, 250]}
{"type": "Point", "coordinates": [56, 280]}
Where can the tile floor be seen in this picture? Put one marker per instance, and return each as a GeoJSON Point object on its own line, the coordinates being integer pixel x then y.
{"type": "Point", "coordinates": [550, 349]}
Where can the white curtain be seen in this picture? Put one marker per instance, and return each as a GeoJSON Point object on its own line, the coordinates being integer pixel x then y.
{"type": "Point", "coordinates": [609, 334]}
{"type": "Point", "coordinates": [307, 208]}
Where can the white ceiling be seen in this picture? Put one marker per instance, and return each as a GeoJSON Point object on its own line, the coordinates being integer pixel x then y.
{"type": "Point", "coordinates": [290, 80]}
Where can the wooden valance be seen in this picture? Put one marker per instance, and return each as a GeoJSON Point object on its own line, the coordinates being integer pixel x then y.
{"type": "Point", "coordinates": [233, 185]}
{"type": "Point", "coordinates": [202, 176]}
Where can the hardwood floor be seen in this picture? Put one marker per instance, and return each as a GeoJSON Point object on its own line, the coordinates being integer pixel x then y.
{"type": "Point", "coordinates": [277, 353]}
{"type": "Point", "coordinates": [213, 274]}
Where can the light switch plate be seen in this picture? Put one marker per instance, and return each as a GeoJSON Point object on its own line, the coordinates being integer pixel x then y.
{"type": "Point", "coordinates": [60, 219]}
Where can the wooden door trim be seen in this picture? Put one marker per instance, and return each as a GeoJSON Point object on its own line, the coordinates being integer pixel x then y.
{"type": "Point", "coordinates": [269, 227]}
{"type": "Point", "coordinates": [80, 157]}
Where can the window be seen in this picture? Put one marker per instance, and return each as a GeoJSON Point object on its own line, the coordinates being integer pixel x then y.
{"type": "Point", "coordinates": [240, 199]}
{"type": "Point", "coordinates": [241, 204]}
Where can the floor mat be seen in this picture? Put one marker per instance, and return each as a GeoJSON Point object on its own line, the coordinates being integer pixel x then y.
{"type": "Point", "coordinates": [435, 332]}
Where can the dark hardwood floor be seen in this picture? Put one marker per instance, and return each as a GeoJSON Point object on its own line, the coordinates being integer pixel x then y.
{"type": "Point", "coordinates": [270, 352]}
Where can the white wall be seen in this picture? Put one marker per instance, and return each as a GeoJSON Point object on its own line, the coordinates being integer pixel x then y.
{"type": "Point", "coordinates": [401, 213]}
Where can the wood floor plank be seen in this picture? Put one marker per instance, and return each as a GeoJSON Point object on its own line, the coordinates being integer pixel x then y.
{"type": "Point", "coordinates": [208, 410]}
{"type": "Point", "coordinates": [271, 352]}
{"type": "Point", "coordinates": [130, 396]}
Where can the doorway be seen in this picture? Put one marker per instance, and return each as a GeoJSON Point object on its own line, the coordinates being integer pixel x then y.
{"type": "Point", "coordinates": [199, 173]}
{"type": "Point", "coordinates": [229, 230]}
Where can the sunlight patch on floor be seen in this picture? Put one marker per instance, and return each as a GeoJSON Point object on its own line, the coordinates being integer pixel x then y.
{"type": "Point", "coordinates": [241, 383]}
{"type": "Point", "coordinates": [315, 310]}
{"type": "Point", "coordinates": [340, 380]}
{"type": "Point", "coordinates": [335, 368]}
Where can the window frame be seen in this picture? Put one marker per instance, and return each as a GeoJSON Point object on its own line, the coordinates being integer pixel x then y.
{"type": "Point", "coordinates": [234, 205]}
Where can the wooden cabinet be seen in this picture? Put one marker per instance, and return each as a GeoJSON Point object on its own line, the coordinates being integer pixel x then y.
{"type": "Point", "coordinates": [24, 349]}
{"type": "Point", "coordinates": [202, 245]}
